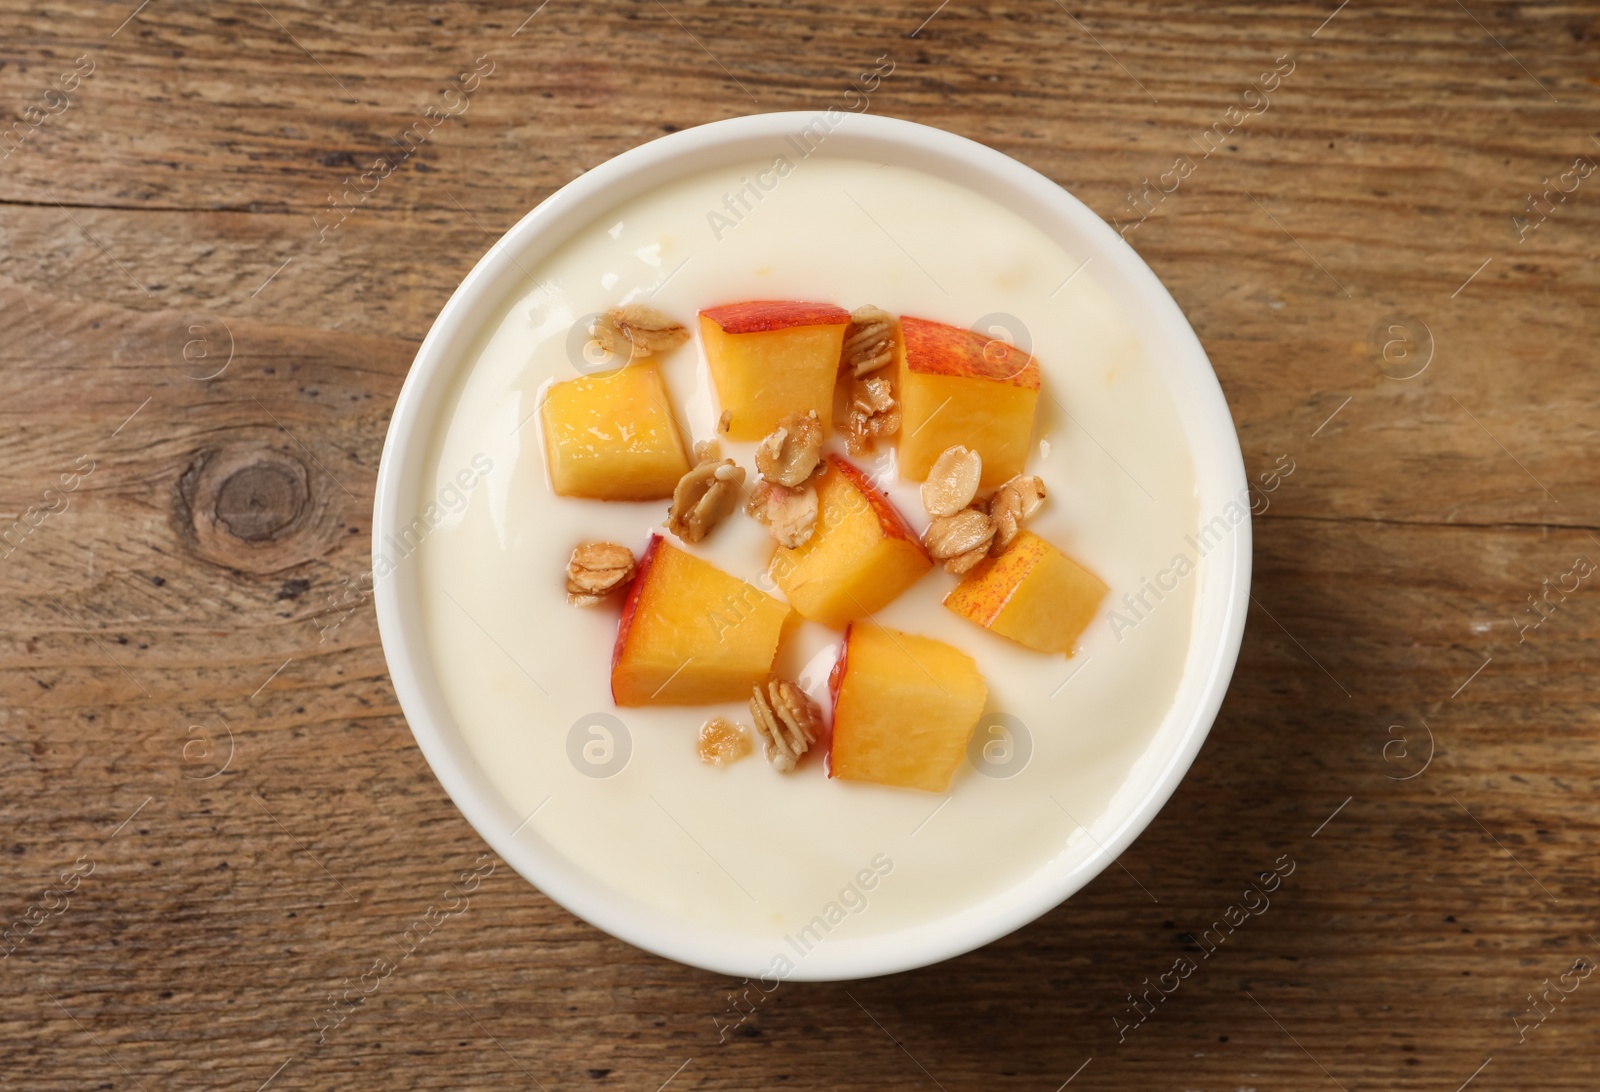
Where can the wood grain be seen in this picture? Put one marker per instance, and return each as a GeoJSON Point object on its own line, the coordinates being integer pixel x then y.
{"type": "Point", "coordinates": [166, 603]}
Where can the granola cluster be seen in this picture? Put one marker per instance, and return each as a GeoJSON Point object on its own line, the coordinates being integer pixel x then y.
{"type": "Point", "coordinates": [595, 570]}
{"type": "Point", "coordinates": [789, 460]}
{"type": "Point", "coordinates": [1012, 503]}
{"type": "Point", "coordinates": [789, 454]}
{"type": "Point", "coordinates": [965, 530]}
{"type": "Point", "coordinates": [636, 330]}
{"type": "Point", "coordinates": [787, 719]}
{"type": "Point", "coordinates": [705, 496]}
{"type": "Point", "coordinates": [873, 414]}
{"type": "Point", "coordinates": [961, 540]}
{"type": "Point", "coordinates": [869, 345]}
{"type": "Point", "coordinates": [790, 515]}
{"type": "Point", "coordinates": [952, 481]}
{"type": "Point", "coordinates": [721, 742]}
{"type": "Point", "coordinates": [868, 341]}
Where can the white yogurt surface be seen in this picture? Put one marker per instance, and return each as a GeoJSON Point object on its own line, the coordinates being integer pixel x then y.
{"type": "Point", "coordinates": [744, 849]}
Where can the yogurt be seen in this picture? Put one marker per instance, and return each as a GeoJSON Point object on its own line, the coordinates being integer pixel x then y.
{"type": "Point", "coordinates": [743, 849]}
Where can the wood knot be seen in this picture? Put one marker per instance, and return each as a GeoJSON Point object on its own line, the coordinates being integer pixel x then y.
{"type": "Point", "coordinates": [253, 508]}
{"type": "Point", "coordinates": [257, 502]}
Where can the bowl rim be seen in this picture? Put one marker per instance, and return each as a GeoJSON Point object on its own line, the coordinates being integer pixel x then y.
{"type": "Point", "coordinates": [1223, 575]}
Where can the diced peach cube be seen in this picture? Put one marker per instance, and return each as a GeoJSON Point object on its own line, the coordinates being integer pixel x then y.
{"type": "Point", "coordinates": [904, 708]}
{"type": "Point", "coordinates": [691, 634]}
{"type": "Point", "coordinates": [771, 358]}
{"type": "Point", "coordinates": [613, 436]}
{"type": "Point", "coordinates": [958, 387]}
{"type": "Point", "coordinates": [1033, 593]}
{"type": "Point", "coordinates": [861, 556]}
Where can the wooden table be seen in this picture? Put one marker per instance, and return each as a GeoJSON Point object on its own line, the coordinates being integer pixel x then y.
{"type": "Point", "coordinates": [195, 379]}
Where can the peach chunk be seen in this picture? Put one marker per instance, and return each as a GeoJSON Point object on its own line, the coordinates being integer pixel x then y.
{"type": "Point", "coordinates": [1033, 593]}
{"type": "Point", "coordinates": [903, 708]}
{"type": "Point", "coordinates": [613, 437]}
{"type": "Point", "coordinates": [959, 387]}
{"type": "Point", "coordinates": [771, 358]}
{"type": "Point", "coordinates": [861, 556]}
{"type": "Point", "coordinates": [691, 634]}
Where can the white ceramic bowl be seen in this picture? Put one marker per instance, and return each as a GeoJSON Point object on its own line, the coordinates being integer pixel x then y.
{"type": "Point", "coordinates": [1170, 345]}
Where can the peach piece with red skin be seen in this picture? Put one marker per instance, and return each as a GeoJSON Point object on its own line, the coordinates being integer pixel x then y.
{"type": "Point", "coordinates": [904, 707]}
{"type": "Point", "coordinates": [1033, 593]}
{"type": "Point", "coordinates": [889, 518]}
{"type": "Point", "coordinates": [933, 348]}
{"type": "Point", "coordinates": [758, 316]}
{"type": "Point", "coordinates": [771, 358]}
{"type": "Point", "coordinates": [862, 555]}
{"type": "Point", "coordinates": [956, 386]}
{"type": "Point", "coordinates": [691, 634]}
{"type": "Point", "coordinates": [630, 603]}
